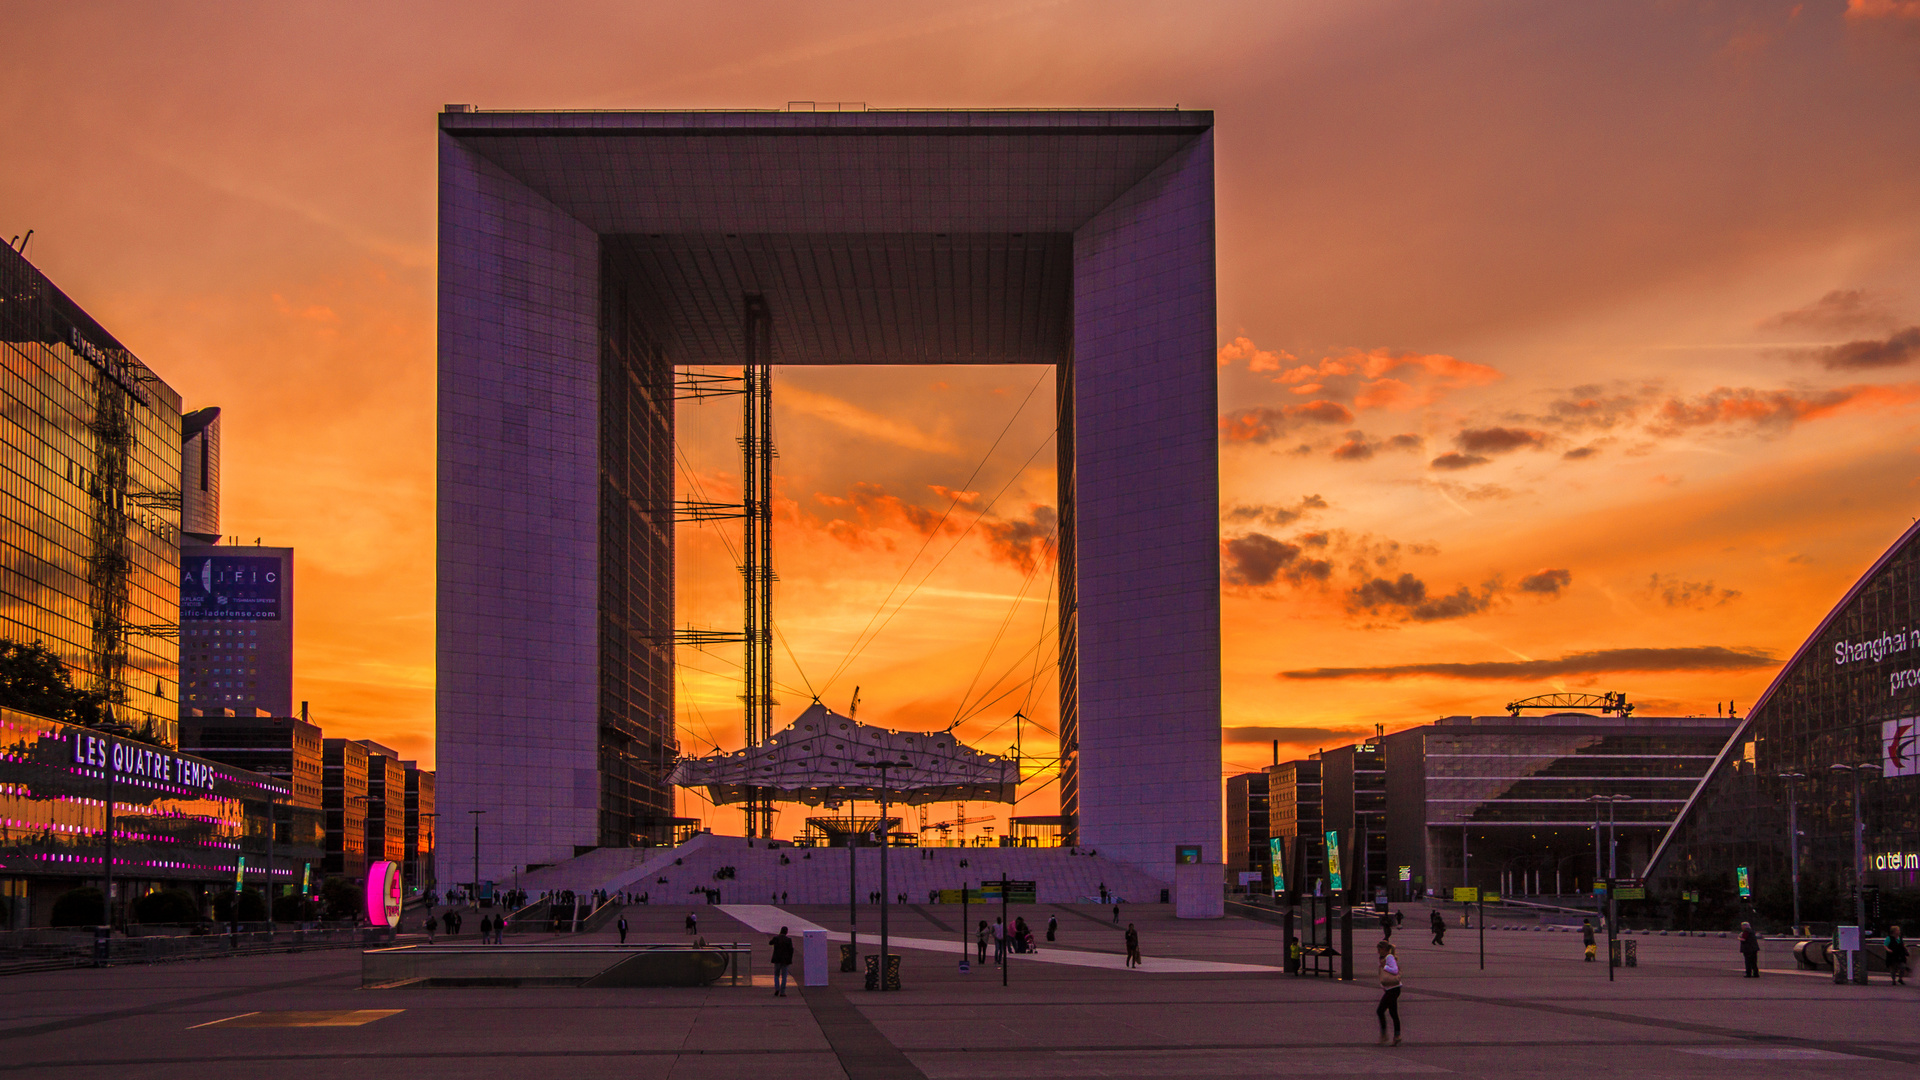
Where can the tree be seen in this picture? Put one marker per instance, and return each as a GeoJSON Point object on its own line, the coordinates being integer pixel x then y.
{"type": "Point", "coordinates": [32, 679]}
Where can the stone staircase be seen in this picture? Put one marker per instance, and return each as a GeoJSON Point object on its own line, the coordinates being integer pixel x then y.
{"type": "Point", "coordinates": [781, 873]}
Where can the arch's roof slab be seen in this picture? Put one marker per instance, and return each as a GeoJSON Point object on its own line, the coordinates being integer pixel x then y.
{"type": "Point", "coordinates": [796, 172]}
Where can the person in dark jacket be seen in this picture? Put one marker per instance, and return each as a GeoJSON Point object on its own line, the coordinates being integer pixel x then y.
{"type": "Point", "coordinates": [622, 925]}
{"type": "Point", "coordinates": [1133, 946]}
{"type": "Point", "coordinates": [1750, 950]}
{"type": "Point", "coordinates": [1053, 924]}
{"type": "Point", "coordinates": [1586, 939]}
{"type": "Point", "coordinates": [782, 960]}
{"type": "Point", "coordinates": [1439, 927]}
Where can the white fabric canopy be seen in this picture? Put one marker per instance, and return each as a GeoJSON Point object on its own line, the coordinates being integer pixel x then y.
{"type": "Point", "coordinates": [817, 760]}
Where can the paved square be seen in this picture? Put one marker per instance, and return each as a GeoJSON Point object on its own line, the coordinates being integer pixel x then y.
{"type": "Point", "coordinates": [1537, 1010]}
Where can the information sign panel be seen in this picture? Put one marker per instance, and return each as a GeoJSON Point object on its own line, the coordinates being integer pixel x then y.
{"type": "Point", "coordinates": [1465, 894]}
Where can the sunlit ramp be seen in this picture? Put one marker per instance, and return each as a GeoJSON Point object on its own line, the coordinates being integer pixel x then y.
{"type": "Point", "coordinates": [309, 1018]}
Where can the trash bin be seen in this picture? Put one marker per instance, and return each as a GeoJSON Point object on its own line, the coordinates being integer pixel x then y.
{"type": "Point", "coordinates": [846, 957]}
{"type": "Point", "coordinates": [1633, 953]}
{"type": "Point", "coordinates": [1166, 896]}
{"type": "Point", "coordinates": [893, 971]}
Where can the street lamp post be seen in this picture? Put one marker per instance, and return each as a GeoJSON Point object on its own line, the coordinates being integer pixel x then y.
{"type": "Point", "coordinates": [1859, 844]}
{"type": "Point", "coordinates": [476, 855]}
{"type": "Point", "coordinates": [1793, 841]}
{"type": "Point", "coordinates": [883, 766]}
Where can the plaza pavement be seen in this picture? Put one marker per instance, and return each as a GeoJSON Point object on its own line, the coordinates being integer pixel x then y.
{"type": "Point", "coordinates": [1536, 1011]}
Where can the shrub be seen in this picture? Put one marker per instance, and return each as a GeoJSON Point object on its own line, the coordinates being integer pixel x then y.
{"type": "Point", "coordinates": [252, 907]}
{"type": "Point", "coordinates": [166, 906]}
{"type": "Point", "coordinates": [80, 907]}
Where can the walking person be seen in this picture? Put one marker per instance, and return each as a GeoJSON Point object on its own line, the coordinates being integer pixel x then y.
{"type": "Point", "coordinates": [999, 942]}
{"type": "Point", "coordinates": [1439, 924]}
{"type": "Point", "coordinates": [1133, 946]}
{"type": "Point", "coordinates": [1116, 914]}
{"type": "Point", "coordinates": [782, 960]}
{"type": "Point", "coordinates": [693, 924]}
{"type": "Point", "coordinates": [486, 929]}
{"type": "Point", "coordinates": [1389, 992]}
{"type": "Point", "coordinates": [983, 941]}
{"type": "Point", "coordinates": [622, 925]}
{"type": "Point", "coordinates": [433, 923]}
{"type": "Point", "coordinates": [1750, 950]}
{"type": "Point", "coordinates": [1586, 937]}
{"type": "Point", "coordinates": [1053, 924]}
{"type": "Point", "coordinates": [1896, 956]}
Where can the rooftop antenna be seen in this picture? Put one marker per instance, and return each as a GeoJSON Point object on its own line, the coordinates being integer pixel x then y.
{"type": "Point", "coordinates": [21, 244]}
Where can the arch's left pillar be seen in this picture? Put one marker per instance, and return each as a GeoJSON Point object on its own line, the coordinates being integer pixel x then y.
{"type": "Point", "coordinates": [518, 518]}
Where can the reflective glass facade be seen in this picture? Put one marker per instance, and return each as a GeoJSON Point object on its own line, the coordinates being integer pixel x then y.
{"type": "Point", "coordinates": [1506, 802]}
{"type": "Point", "coordinates": [89, 500]}
{"type": "Point", "coordinates": [176, 818]}
{"type": "Point", "coordinates": [1849, 696]}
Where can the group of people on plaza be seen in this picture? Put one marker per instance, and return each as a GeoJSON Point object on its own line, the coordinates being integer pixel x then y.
{"type": "Point", "coordinates": [493, 928]}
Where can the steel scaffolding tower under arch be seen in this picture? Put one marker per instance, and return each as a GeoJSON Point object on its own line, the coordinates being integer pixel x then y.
{"type": "Point", "coordinates": [756, 549]}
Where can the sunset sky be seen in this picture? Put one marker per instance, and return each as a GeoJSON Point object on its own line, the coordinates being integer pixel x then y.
{"type": "Point", "coordinates": [1561, 346]}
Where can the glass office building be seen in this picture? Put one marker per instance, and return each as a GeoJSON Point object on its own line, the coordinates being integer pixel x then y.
{"type": "Point", "coordinates": [90, 501]}
{"type": "Point", "coordinates": [1507, 803]}
{"type": "Point", "coordinates": [1849, 696]}
{"type": "Point", "coordinates": [177, 819]}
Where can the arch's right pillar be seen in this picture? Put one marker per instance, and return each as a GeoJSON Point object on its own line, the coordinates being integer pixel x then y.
{"type": "Point", "coordinates": [1145, 767]}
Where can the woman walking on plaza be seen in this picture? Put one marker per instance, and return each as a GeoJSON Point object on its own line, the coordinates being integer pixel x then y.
{"type": "Point", "coordinates": [1750, 950]}
{"type": "Point", "coordinates": [1897, 956]}
{"type": "Point", "coordinates": [1389, 992]}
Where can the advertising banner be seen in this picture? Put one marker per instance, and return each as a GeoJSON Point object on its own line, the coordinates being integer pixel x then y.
{"type": "Point", "coordinates": [1277, 848]}
{"type": "Point", "coordinates": [230, 587]}
{"type": "Point", "coordinates": [1897, 749]}
{"type": "Point", "coordinates": [1334, 880]}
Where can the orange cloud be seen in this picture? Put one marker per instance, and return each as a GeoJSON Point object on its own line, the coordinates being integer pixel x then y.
{"type": "Point", "coordinates": [1883, 9]}
{"type": "Point", "coordinates": [1384, 379]}
{"type": "Point", "coordinates": [1243, 348]}
{"type": "Point", "coordinates": [1774, 410]}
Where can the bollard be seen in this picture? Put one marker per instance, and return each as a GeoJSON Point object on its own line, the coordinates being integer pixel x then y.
{"type": "Point", "coordinates": [847, 962]}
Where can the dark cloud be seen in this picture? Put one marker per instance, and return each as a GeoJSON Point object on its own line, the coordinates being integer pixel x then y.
{"type": "Point", "coordinates": [1027, 543]}
{"type": "Point", "coordinates": [1580, 453]}
{"type": "Point", "coordinates": [1698, 595]}
{"type": "Point", "coordinates": [1256, 558]}
{"type": "Point", "coordinates": [1274, 515]}
{"type": "Point", "coordinates": [1261, 425]}
{"type": "Point", "coordinates": [1595, 662]}
{"type": "Point", "coordinates": [1458, 461]}
{"type": "Point", "coordinates": [1360, 446]}
{"type": "Point", "coordinates": [1408, 595]}
{"type": "Point", "coordinates": [1499, 440]}
{"type": "Point", "coordinates": [1893, 351]}
{"type": "Point", "coordinates": [1841, 309]}
{"type": "Point", "coordinates": [1547, 582]}
{"type": "Point", "coordinates": [1297, 736]}
{"type": "Point", "coordinates": [1457, 604]}
{"type": "Point", "coordinates": [1590, 408]}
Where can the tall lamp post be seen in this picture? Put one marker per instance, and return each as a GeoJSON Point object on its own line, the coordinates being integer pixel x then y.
{"type": "Point", "coordinates": [1859, 843]}
{"type": "Point", "coordinates": [1793, 840]}
{"type": "Point", "coordinates": [429, 818]}
{"type": "Point", "coordinates": [885, 793]}
{"type": "Point", "coordinates": [476, 855]}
